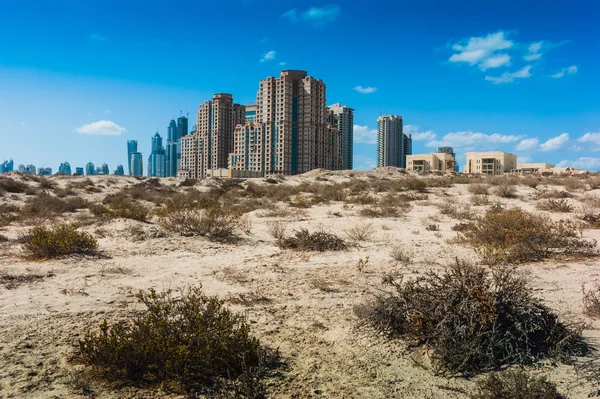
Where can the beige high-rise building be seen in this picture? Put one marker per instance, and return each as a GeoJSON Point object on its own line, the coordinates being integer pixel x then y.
{"type": "Point", "coordinates": [490, 163]}
{"type": "Point", "coordinates": [434, 162]}
{"type": "Point", "coordinates": [291, 133]}
{"type": "Point", "coordinates": [209, 147]}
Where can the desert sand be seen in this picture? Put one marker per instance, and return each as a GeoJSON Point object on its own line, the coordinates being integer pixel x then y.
{"type": "Point", "coordinates": [299, 302]}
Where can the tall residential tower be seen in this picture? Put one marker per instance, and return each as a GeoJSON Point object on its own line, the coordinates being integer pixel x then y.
{"type": "Point", "coordinates": [132, 146]}
{"type": "Point", "coordinates": [392, 144]}
{"type": "Point", "coordinates": [342, 118]}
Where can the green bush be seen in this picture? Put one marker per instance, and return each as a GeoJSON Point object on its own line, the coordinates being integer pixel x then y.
{"type": "Point", "coordinates": [12, 186]}
{"type": "Point", "coordinates": [516, 236]}
{"type": "Point", "coordinates": [472, 320]}
{"type": "Point", "coordinates": [191, 343]}
{"type": "Point", "coordinates": [319, 241]}
{"type": "Point", "coordinates": [58, 240]}
{"type": "Point", "coordinates": [515, 385]}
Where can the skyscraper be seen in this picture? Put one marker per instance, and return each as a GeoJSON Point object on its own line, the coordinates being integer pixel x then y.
{"type": "Point", "coordinates": [79, 170]}
{"type": "Point", "coordinates": [156, 160]}
{"type": "Point", "coordinates": [392, 144]}
{"type": "Point", "coordinates": [21, 168]}
{"type": "Point", "coordinates": [172, 132]}
{"type": "Point", "coordinates": [30, 169]}
{"type": "Point", "coordinates": [104, 169]}
{"type": "Point", "coordinates": [132, 146]}
{"type": "Point", "coordinates": [291, 133]}
{"type": "Point", "coordinates": [44, 171]}
{"type": "Point", "coordinates": [210, 146]}
{"type": "Point", "coordinates": [172, 166]}
{"type": "Point", "coordinates": [342, 118]}
{"type": "Point", "coordinates": [119, 171]}
{"type": "Point", "coordinates": [250, 112]}
{"type": "Point", "coordinates": [90, 169]}
{"type": "Point", "coordinates": [64, 169]}
{"type": "Point", "coordinates": [137, 164]}
{"type": "Point", "coordinates": [6, 166]}
{"type": "Point", "coordinates": [182, 126]}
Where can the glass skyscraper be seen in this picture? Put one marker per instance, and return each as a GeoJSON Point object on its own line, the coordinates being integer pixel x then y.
{"type": "Point", "coordinates": [64, 169]}
{"type": "Point", "coordinates": [7, 166]}
{"type": "Point", "coordinates": [156, 160]}
{"type": "Point", "coordinates": [132, 146]}
{"type": "Point", "coordinates": [119, 171]}
{"type": "Point", "coordinates": [137, 164]}
{"type": "Point", "coordinates": [90, 170]}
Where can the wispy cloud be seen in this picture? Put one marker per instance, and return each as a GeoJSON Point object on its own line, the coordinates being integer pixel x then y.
{"type": "Point", "coordinates": [587, 163]}
{"type": "Point", "coordinates": [417, 135]}
{"type": "Point", "coordinates": [282, 63]}
{"type": "Point", "coordinates": [362, 162]}
{"type": "Point", "coordinates": [482, 51]}
{"type": "Point", "coordinates": [508, 77]}
{"type": "Point", "coordinates": [316, 16]}
{"type": "Point", "coordinates": [528, 145]}
{"type": "Point", "coordinates": [96, 37]}
{"type": "Point", "coordinates": [555, 143]}
{"type": "Point", "coordinates": [362, 134]}
{"type": "Point", "coordinates": [365, 90]}
{"type": "Point", "coordinates": [475, 140]}
{"type": "Point", "coordinates": [590, 138]}
{"type": "Point", "coordinates": [101, 128]}
{"type": "Point", "coordinates": [269, 56]}
{"type": "Point", "coordinates": [572, 70]}
{"type": "Point", "coordinates": [536, 50]}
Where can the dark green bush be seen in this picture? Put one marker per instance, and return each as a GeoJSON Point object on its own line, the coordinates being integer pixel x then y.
{"type": "Point", "coordinates": [472, 320]}
{"type": "Point", "coordinates": [192, 343]}
{"type": "Point", "coordinates": [515, 385]}
{"type": "Point", "coordinates": [11, 185]}
{"type": "Point", "coordinates": [517, 236]}
{"type": "Point", "coordinates": [58, 240]}
{"type": "Point", "coordinates": [320, 241]}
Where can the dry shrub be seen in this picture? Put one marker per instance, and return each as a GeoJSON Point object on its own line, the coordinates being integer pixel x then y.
{"type": "Point", "coordinates": [432, 227]}
{"type": "Point", "coordinates": [555, 205]}
{"type": "Point", "coordinates": [457, 211]}
{"type": "Point", "coordinates": [594, 183]}
{"type": "Point", "coordinates": [556, 194]}
{"type": "Point", "coordinates": [319, 241]}
{"type": "Point", "coordinates": [217, 223]}
{"type": "Point", "coordinates": [516, 236]}
{"type": "Point", "coordinates": [58, 240]}
{"type": "Point", "coordinates": [376, 211]}
{"type": "Point", "coordinates": [530, 181]}
{"type": "Point", "coordinates": [11, 185]}
{"type": "Point", "coordinates": [11, 281]}
{"type": "Point", "coordinates": [480, 200]}
{"type": "Point", "coordinates": [64, 192]}
{"type": "Point", "coordinates": [478, 189]}
{"type": "Point", "coordinates": [472, 319]}
{"type": "Point", "coordinates": [321, 284]}
{"type": "Point", "coordinates": [193, 344]}
{"type": "Point", "coordinates": [591, 300]}
{"type": "Point", "coordinates": [8, 214]}
{"type": "Point", "coordinates": [573, 184]}
{"type": "Point", "coordinates": [122, 207]}
{"type": "Point", "coordinates": [401, 256]}
{"type": "Point", "coordinates": [363, 199]}
{"type": "Point", "coordinates": [505, 190]}
{"type": "Point", "coordinates": [277, 229]}
{"type": "Point", "coordinates": [515, 384]}
{"type": "Point", "coordinates": [360, 232]}
{"type": "Point", "coordinates": [45, 205]}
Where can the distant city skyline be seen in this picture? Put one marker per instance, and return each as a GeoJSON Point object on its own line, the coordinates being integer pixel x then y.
{"type": "Point", "coordinates": [77, 82]}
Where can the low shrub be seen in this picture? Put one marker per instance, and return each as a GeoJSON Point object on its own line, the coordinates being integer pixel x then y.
{"type": "Point", "coordinates": [360, 232]}
{"type": "Point", "coordinates": [573, 185]}
{"type": "Point", "coordinates": [556, 194]}
{"type": "Point", "coordinates": [217, 223]}
{"type": "Point", "coordinates": [480, 200]}
{"type": "Point", "coordinates": [505, 190]}
{"type": "Point", "coordinates": [11, 185]}
{"type": "Point", "coordinates": [457, 211]}
{"type": "Point", "coordinates": [192, 344]}
{"type": "Point", "coordinates": [58, 240]}
{"type": "Point", "coordinates": [319, 241]}
{"type": "Point", "coordinates": [122, 207]}
{"type": "Point", "coordinates": [11, 281]}
{"type": "Point", "coordinates": [515, 384]}
{"type": "Point", "coordinates": [591, 300]}
{"type": "Point", "coordinates": [46, 205]}
{"type": "Point", "coordinates": [478, 189]}
{"type": "Point", "coordinates": [472, 319]}
{"type": "Point", "coordinates": [401, 256]}
{"type": "Point", "coordinates": [555, 205]}
{"type": "Point", "coordinates": [516, 236]}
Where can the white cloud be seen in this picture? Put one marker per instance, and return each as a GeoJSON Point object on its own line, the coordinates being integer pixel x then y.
{"type": "Point", "coordinates": [495, 62]}
{"type": "Point", "coordinates": [101, 128]}
{"type": "Point", "coordinates": [96, 37]}
{"type": "Point", "coordinates": [536, 50]}
{"type": "Point", "coordinates": [269, 56]}
{"type": "Point", "coordinates": [528, 145]}
{"type": "Point", "coordinates": [416, 135]}
{"type": "Point", "coordinates": [362, 134]}
{"type": "Point", "coordinates": [317, 16]}
{"type": "Point", "coordinates": [480, 50]}
{"type": "Point", "coordinates": [362, 162]}
{"type": "Point", "coordinates": [587, 163]}
{"type": "Point", "coordinates": [282, 63]}
{"type": "Point", "coordinates": [590, 138]}
{"type": "Point", "coordinates": [474, 140]}
{"type": "Point", "coordinates": [508, 77]}
{"type": "Point", "coordinates": [572, 70]}
{"type": "Point", "coordinates": [365, 90]}
{"type": "Point", "coordinates": [555, 143]}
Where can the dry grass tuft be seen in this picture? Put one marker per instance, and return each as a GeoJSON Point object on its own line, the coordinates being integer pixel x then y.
{"type": "Point", "coordinates": [319, 241]}
{"type": "Point", "coordinates": [515, 384]}
{"type": "Point", "coordinates": [11, 281]}
{"type": "Point", "coordinates": [361, 232]}
{"type": "Point", "coordinates": [591, 301]}
{"type": "Point", "coordinates": [555, 205]}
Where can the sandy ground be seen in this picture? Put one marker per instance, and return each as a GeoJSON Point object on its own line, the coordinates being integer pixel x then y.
{"type": "Point", "coordinates": [328, 354]}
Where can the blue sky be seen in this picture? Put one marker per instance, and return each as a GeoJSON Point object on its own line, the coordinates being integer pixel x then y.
{"type": "Point", "coordinates": [80, 78]}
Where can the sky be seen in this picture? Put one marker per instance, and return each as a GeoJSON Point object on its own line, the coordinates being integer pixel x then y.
{"type": "Point", "coordinates": [80, 78]}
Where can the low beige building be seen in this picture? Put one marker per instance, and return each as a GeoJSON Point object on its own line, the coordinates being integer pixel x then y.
{"type": "Point", "coordinates": [434, 162]}
{"type": "Point", "coordinates": [533, 167]}
{"type": "Point", "coordinates": [226, 173]}
{"type": "Point", "coordinates": [490, 163]}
